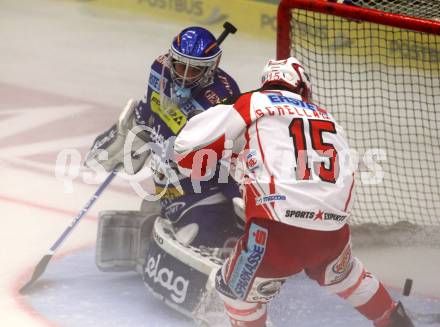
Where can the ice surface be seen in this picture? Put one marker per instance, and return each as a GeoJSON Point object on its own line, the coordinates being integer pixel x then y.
{"type": "Point", "coordinates": [65, 73]}
{"type": "Point", "coordinates": [74, 293]}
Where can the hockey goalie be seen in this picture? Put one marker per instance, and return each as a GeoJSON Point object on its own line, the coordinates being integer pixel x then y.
{"type": "Point", "coordinates": [176, 241]}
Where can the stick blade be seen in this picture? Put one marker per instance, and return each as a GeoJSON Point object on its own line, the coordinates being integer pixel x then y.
{"type": "Point", "coordinates": [38, 271]}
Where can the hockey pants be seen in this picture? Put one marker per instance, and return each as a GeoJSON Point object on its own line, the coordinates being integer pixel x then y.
{"type": "Point", "coordinates": [269, 252]}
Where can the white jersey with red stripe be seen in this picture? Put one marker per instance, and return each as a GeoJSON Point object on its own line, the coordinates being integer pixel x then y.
{"type": "Point", "coordinates": [296, 160]}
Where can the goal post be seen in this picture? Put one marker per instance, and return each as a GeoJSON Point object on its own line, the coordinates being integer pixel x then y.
{"type": "Point", "coordinates": [284, 19]}
{"type": "Point", "coordinates": [378, 73]}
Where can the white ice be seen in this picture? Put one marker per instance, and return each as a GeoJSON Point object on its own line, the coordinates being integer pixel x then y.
{"type": "Point", "coordinates": [66, 70]}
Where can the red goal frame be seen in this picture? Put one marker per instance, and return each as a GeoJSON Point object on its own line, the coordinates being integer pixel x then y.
{"type": "Point", "coordinates": [346, 11]}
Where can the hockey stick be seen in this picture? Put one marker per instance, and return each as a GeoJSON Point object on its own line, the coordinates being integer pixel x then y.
{"type": "Point", "coordinates": [42, 265]}
{"type": "Point", "coordinates": [229, 28]}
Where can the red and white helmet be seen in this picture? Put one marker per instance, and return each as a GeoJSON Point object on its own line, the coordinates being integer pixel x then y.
{"type": "Point", "coordinates": [289, 73]}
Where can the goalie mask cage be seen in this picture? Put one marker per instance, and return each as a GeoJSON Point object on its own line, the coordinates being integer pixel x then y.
{"type": "Point", "coordinates": [378, 73]}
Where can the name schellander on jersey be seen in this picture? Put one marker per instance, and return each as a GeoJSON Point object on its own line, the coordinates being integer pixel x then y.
{"type": "Point", "coordinates": [291, 151]}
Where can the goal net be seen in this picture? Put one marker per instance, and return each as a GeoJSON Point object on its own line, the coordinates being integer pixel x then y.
{"type": "Point", "coordinates": [379, 74]}
{"type": "Point", "coordinates": [429, 9]}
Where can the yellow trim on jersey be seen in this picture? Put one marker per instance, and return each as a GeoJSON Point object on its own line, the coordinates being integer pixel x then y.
{"type": "Point", "coordinates": [170, 193]}
{"type": "Point", "coordinates": [172, 117]}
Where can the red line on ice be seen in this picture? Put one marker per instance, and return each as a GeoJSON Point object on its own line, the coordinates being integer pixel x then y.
{"type": "Point", "coordinates": [41, 206]}
{"type": "Point", "coordinates": [23, 277]}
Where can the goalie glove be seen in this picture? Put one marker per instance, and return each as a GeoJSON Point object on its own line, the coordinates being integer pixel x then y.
{"type": "Point", "coordinates": [119, 145]}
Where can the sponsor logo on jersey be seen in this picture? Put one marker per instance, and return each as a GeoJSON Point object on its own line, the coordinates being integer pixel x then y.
{"type": "Point", "coordinates": [288, 109]}
{"type": "Point", "coordinates": [248, 262]}
{"type": "Point", "coordinates": [165, 177]}
{"type": "Point", "coordinates": [269, 198]}
{"type": "Point", "coordinates": [163, 59]}
{"type": "Point", "coordinates": [299, 214]}
{"type": "Point", "coordinates": [278, 99]}
{"type": "Point", "coordinates": [154, 82]}
{"type": "Point", "coordinates": [225, 82]}
{"type": "Point", "coordinates": [252, 160]}
{"type": "Point", "coordinates": [165, 277]}
{"type": "Point", "coordinates": [212, 96]}
{"type": "Point", "coordinates": [320, 215]}
{"type": "Point", "coordinates": [188, 106]}
{"type": "Point", "coordinates": [252, 163]}
{"type": "Point", "coordinates": [172, 117]}
{"type": "Point", "coordinates": [334, 217]}
{"type": "Point", "coordinates": [260, 236]}
{"type": "Point", "coordinates": [172, 209]}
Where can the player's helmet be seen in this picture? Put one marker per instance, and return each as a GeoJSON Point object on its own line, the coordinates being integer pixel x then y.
{"type": "Point", "coordinates": [289, 73]}
{"type": "Point", "coordinates": [194, 57]}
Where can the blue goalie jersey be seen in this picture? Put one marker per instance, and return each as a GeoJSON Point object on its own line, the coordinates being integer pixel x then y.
{"type": "Point", "coordinates": [165, 119]}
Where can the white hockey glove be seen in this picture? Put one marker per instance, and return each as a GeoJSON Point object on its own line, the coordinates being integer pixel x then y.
{"type": "Point", "coordinates": [110, 148]}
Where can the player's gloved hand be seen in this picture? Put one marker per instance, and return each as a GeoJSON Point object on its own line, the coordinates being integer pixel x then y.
{"type": "Point", "coordinates": [120, 145]}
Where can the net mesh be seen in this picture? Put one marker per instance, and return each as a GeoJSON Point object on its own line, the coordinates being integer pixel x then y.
{"type": "Point", "coordinates": [382, 85]}
{"type": "Point", "coordinates": [429, 9]}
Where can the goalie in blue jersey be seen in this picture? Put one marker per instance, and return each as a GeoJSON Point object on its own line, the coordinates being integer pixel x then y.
{"type": "Point", "coordinates": [176, 241]}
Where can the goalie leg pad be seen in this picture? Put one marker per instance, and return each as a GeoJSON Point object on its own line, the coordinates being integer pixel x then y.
{"type": "Point", "coordinates": [178, 273]}
{"type": "Point", "coordinates": [122, 240]}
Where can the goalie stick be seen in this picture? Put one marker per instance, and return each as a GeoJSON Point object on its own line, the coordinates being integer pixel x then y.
{"type": "Point", "coordinates": [229, 28]}
{"type": "Point", "coordinates": [42, 264]}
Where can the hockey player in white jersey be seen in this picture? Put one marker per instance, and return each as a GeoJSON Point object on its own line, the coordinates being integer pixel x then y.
{"type": "Point", "coordinates": [298, 186]}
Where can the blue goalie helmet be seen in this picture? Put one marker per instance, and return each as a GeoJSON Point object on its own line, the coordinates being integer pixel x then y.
{"type": "Point", "coordinates": [194, 56]}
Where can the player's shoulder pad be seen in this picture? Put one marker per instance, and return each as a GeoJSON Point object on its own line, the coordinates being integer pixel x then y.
{"type": "Point", "coordinates": [159, 62]}
{"type": "Point", "coordinates": [226, 80]}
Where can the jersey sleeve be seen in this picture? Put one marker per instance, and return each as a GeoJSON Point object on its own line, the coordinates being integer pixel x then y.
{"type": "Point", "coordinates": [143, 110]}
{"type": "Point", "coordinates": [223, 89]}
{"type": "Point", "coordinates": [207, 134]}
{"type": "Point", "coordinates": [229, 86]}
